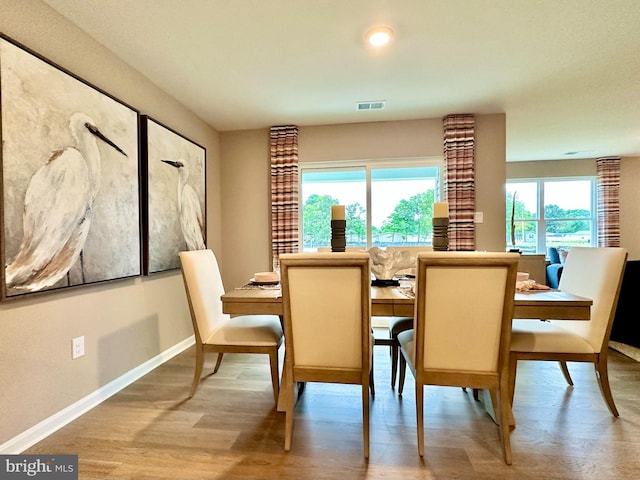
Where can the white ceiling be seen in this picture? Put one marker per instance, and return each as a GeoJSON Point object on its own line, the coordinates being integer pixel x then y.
{"type": "Point", "coordinates": [565, 72]}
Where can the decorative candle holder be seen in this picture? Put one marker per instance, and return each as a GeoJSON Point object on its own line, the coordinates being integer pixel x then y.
{"type": "Point", "coordinates": [440, 233]}
{"type": "Point", "coordinates": [338, 235]}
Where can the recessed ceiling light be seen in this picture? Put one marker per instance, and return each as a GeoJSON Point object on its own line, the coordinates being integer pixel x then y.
{"type": "Point", "coordinates": [379, 36]}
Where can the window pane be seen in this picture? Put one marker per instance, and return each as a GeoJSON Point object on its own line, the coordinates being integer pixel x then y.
{"type": "Point", "coordinates": [402, 205]}
{"type": "Point", "coordinates": [567, 199]}
{"type": "Point", "coordinates": [526, 197]}
{"type": "Point", "coordinates": [525, 236]}
{"type": "Point", "coordinates": [568, 203]}
{"type": "Point", "coordinates": [401, 200]}
{"type": "Point", "coordinates": [565, 233]}
{"type": "Point", "coordinates": [322, 189]}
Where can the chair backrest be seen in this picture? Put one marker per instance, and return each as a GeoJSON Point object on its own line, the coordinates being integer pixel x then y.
{"type": "Point", "coordinates": [203, 284]}
{"type": "Point", "coordinates": [463, 313]}
{"type": "Point", "coordinates": [595, 273]}
{"type": "Point", "coordinates": [327, 302]}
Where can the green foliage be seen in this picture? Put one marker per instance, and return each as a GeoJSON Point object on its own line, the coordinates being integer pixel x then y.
{"type": "Point", "coordinates": [316, 220]}
{"type": "Point", "coordinates": [355, 215]}
{"type": "Point", "coordinates": [410, 217]}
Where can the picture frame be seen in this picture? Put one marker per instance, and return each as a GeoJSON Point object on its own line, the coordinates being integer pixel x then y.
{"type": "Point", "coordinates": [70, 187]}
{"type": "Point", "coordinates": [175, 188]}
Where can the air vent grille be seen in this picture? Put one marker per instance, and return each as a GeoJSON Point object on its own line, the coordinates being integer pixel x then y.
{"type": "Point", "coordinates": [377, 105]}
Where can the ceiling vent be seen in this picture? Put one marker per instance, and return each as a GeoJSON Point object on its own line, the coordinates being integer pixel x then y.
{"type": "Point", "coordinates": [377, 105]}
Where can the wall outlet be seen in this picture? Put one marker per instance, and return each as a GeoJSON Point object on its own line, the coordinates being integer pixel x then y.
{"type": "Point", "coordinates": [478, 217]}
{"type": "Point", "coordinates": [77, 347]}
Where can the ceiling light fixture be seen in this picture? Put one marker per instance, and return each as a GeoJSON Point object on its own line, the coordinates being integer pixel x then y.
{"type": "Point", "coordinates": [379, 36]}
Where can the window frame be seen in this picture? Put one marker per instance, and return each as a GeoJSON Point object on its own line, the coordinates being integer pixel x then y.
{"type": "Point", "coordinates": [541, 221]}
{"type": "Point", "coordinates": [368, 165]}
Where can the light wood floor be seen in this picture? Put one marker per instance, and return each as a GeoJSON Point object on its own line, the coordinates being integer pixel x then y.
{"type": "Point", "coordinates": [230, 429]}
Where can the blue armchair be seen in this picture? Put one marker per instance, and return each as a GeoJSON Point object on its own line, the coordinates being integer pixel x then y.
{"type": "Point", "coordinates": [554, 269]}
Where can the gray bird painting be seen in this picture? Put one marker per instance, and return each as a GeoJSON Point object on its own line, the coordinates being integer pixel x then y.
{"type": "Point", "coordinates": [191, 219]}
{"type": "Point", "coordinates": [58, 209]}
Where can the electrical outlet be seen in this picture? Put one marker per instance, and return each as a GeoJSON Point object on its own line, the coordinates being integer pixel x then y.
{"type": "Point", "coordinates": [478, 217]}
{"type": "Point", "coordinates": [77, 347]}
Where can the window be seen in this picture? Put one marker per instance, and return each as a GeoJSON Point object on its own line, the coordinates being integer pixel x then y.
{"type": "Point", "coordinates": [386, 204]}
{"type": "Point", "coordinates": [550, 213]}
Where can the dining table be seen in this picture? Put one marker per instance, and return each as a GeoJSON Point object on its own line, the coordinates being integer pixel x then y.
{"type": "Point", "coordinates": [398, 301]}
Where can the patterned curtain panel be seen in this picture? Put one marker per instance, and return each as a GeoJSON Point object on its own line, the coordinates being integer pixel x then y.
{"type": "Point", "coordinates": [608, 193]}
{"type": "Point", "coordinates": [459, 160]}
{"type": "Point", "coordinates": [284, 190]}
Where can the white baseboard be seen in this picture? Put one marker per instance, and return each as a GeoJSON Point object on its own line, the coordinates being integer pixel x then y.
{"type": "Point", "coordinates": [58, 420]}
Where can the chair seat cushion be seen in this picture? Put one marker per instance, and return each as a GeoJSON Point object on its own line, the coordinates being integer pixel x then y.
{"type": "Point", "coordinates": [538, 336]}
{"type": "Point", "coordinates": [405, 339]}
{"type": "Point", "coordinates": [399, 324]}
{"type": "Point", "coordinates": [254, 330]}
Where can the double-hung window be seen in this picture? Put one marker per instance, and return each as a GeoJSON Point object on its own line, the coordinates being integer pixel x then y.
{"type": "Point", "coordinates": [551, 212]}
{"type": "Point", "coordinates": [386, 203]}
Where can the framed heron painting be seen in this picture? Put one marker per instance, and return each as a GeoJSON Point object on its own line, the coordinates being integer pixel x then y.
{"type": "Point", "coordinates": [175, 188]}
{"type": "Point", "coordinates": [70, 166]}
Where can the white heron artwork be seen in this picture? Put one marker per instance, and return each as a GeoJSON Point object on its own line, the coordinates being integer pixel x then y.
{"type": "Point", "coordinates": [191, 219]}
{"type": "Point", "coordinates": [58, 209]}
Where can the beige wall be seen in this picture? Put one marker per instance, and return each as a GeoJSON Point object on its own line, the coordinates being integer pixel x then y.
{"type": "Point", "coordinates": [245, 190]}
{"type": "Point", "coordinates": [630, 206]}
{"type": "Point", "coordinates": [552, 168]}
{"type": "Point", "coordinates": [124, 322]}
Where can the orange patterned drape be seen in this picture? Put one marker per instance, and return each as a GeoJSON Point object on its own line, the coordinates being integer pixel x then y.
{"type": "Point", "coordinates": [284, 190]}
{"type": "Point", "coordinates": [459, 160]}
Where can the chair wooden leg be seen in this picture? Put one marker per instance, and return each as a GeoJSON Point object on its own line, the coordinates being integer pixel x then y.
{"type": "Point", "coordinates": [513, 366]}
{"type": "Point", "coordinates": [218, 362]}
{"type": "Point", "coordinates": [198, 370]}
{"type": "Point", "coordinates": [275, 373]}
{"type": "Point", "coordinates": [289, 407]}
{"type": "Point", "coordinates": [371, 384]}
{"type": "Point", "coordinates": [504, 416]}
{"type": "Point", "coordinates": [420, 417]}
{"type": "Point", "coordinates": [394, 364]}
{"type": "Point", "coordinates": [603, 381]}
{"type": "Point", "coordinates": [403, 371]}
{"type": "Point", "coordinates": [365, 420]}
{"type": "Point", "coordinates": [565, 372]}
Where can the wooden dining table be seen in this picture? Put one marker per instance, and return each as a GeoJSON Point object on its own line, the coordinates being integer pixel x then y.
{"type": "Point", "coordinates": [394, 302]}
{"type": "Point", "coordinates": [398, 302]}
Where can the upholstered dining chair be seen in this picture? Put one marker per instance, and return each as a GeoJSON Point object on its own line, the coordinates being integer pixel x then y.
{"type": "Point", "coordinates": [594, 273]}
{"type": "Point", "coordinates": [462, 328]}
{"type": "Point", "coordinates": [400, 324]}
{"type": "Point", "coordinates": [218, 332]}
{"type": "Point", "coordinates": [327, 323]}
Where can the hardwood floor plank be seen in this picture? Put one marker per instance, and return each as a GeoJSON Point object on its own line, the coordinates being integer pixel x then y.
{"type": "Point", "coordinates": [231, 430]}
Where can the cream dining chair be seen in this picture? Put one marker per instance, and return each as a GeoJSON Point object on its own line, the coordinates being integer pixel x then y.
{"type": "Point", "coordinates": [400, 324]}
{"type": "Point", "coordinates": [327, 323]}
{"type": "Point", "coordinates": [462, 329]}
{"type": "Point", "coordinates": [594, 273]}
{"type": "Point", "coordinates": [218, 332]}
